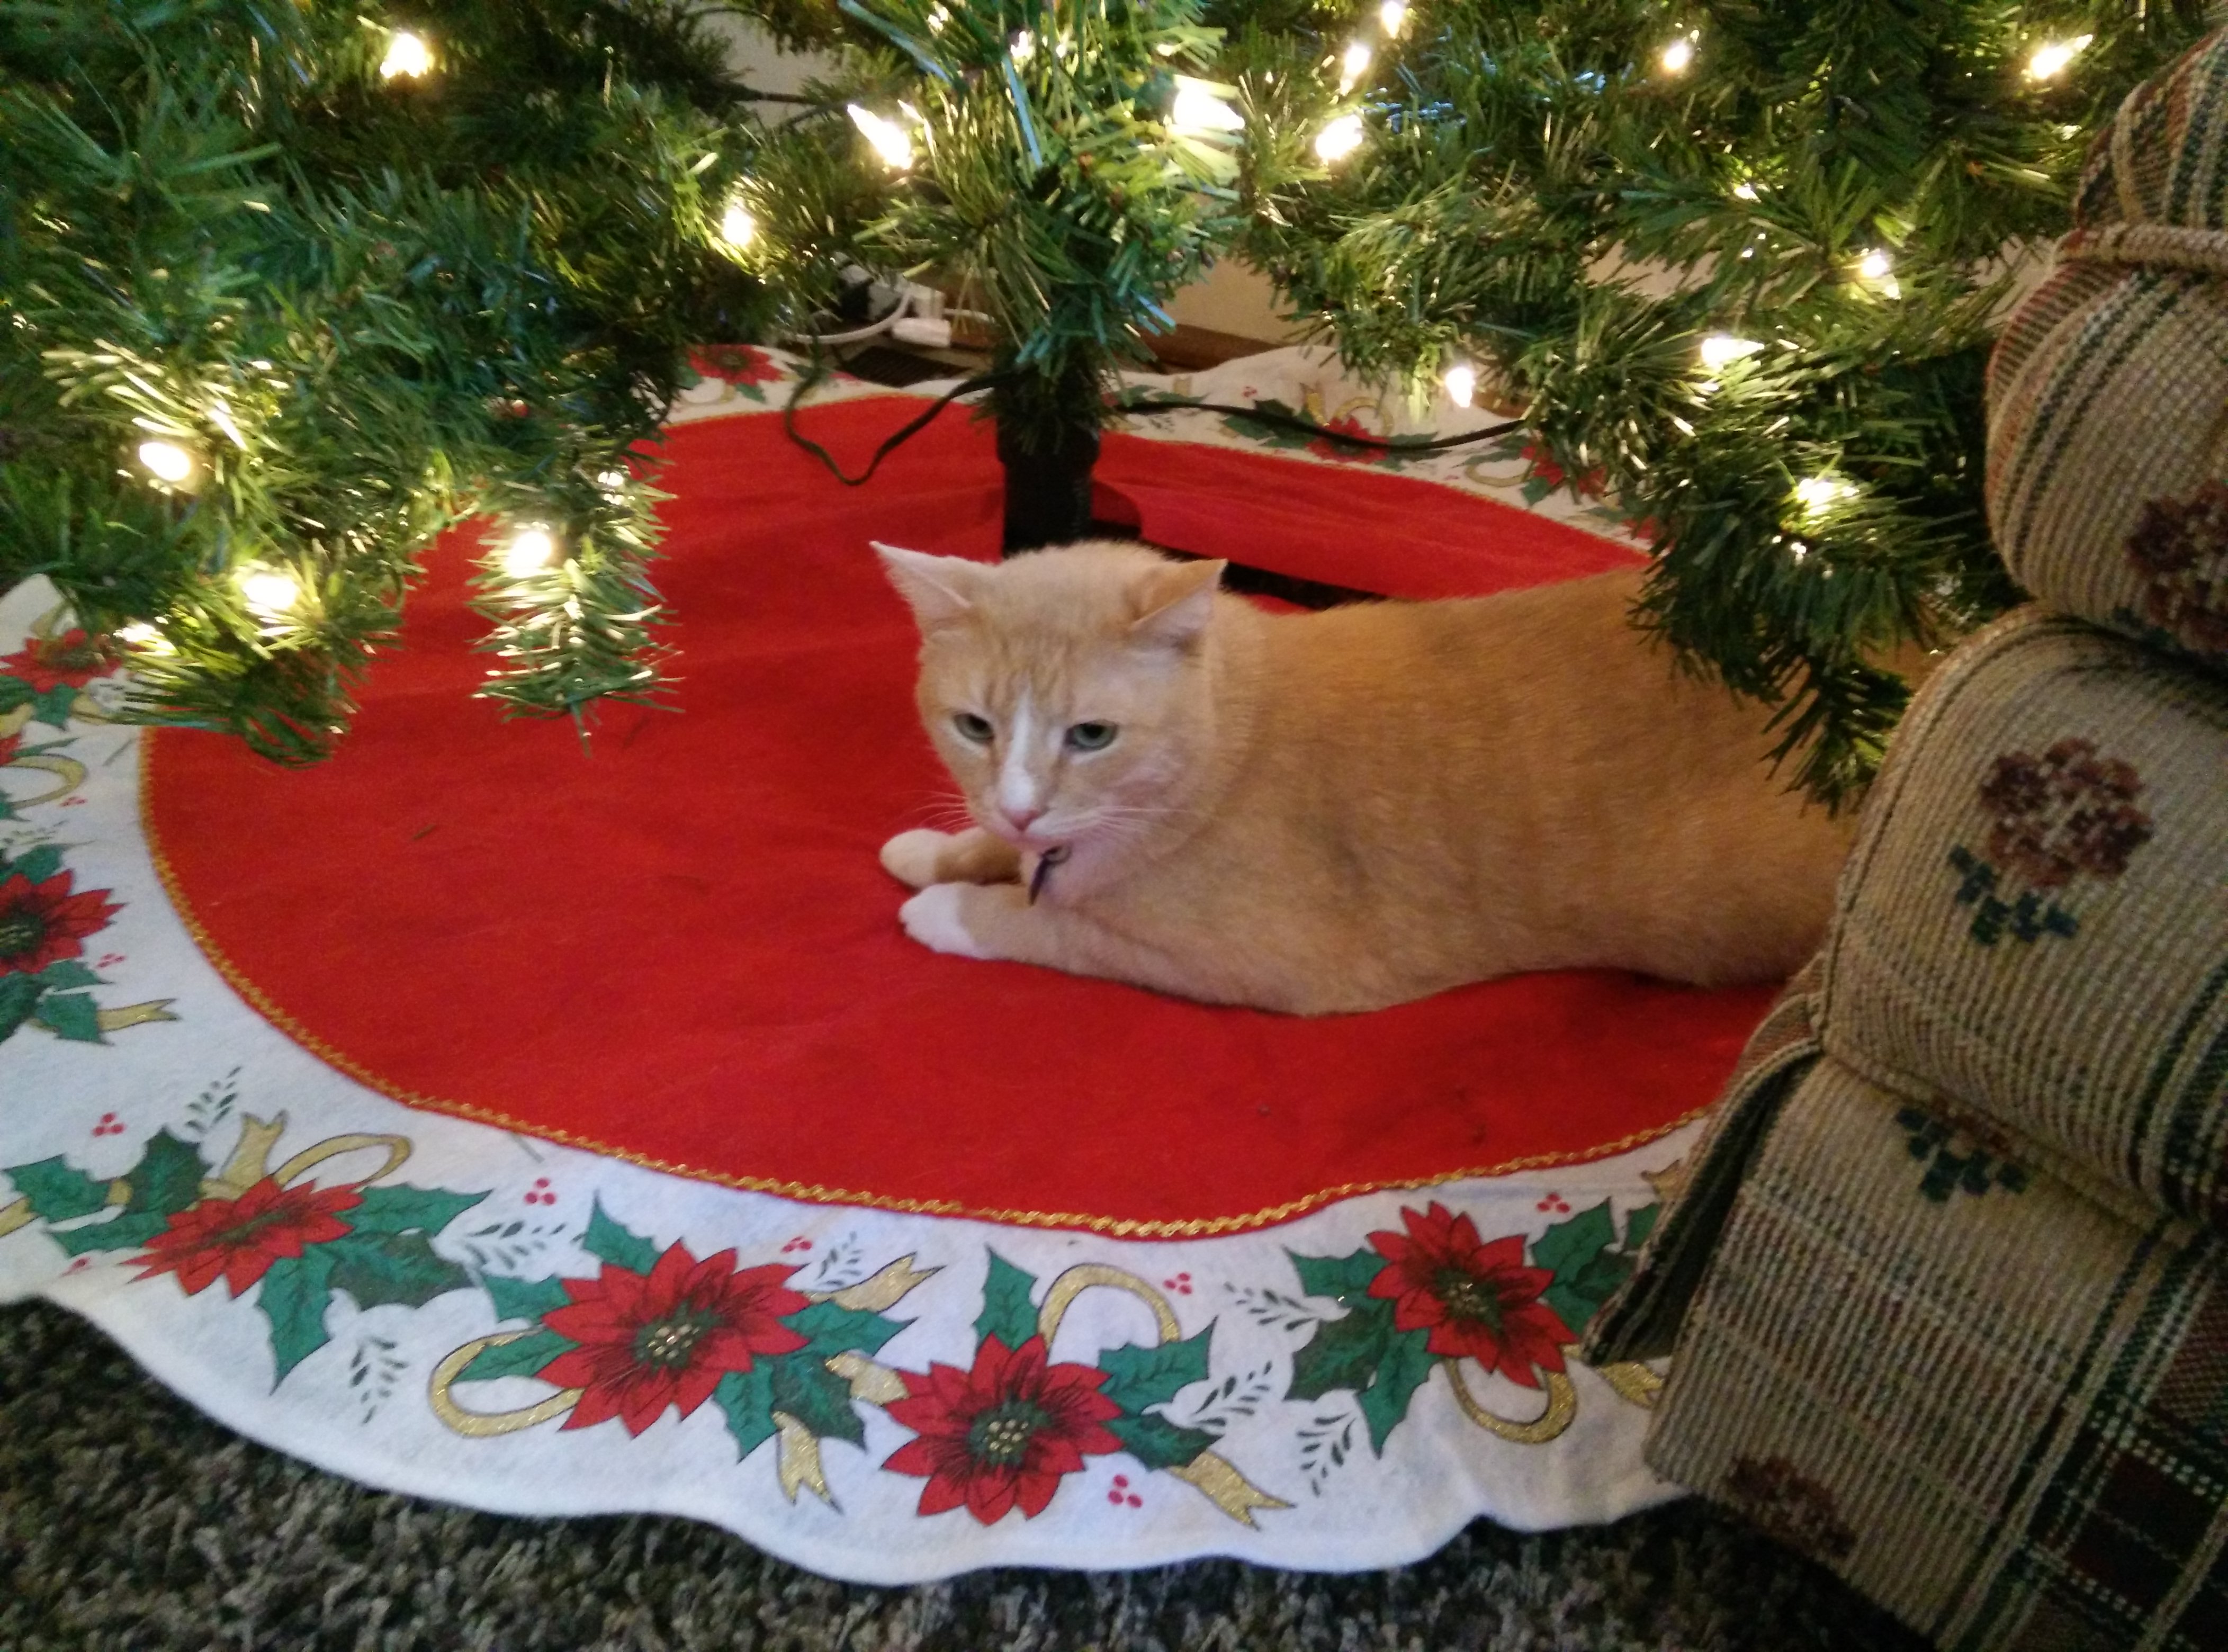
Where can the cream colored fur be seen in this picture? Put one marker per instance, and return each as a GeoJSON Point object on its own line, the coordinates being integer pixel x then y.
{"type": "Point", "coordinates": [1342, 810]}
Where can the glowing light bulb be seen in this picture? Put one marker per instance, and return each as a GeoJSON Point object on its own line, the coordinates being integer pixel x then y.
{"type": "Point", "coordinates": [1745, 191]}
{"type": "Point", "coordinates": [1875, 264]}
{"type": "Point", "coordinates": [167, 460]}
{"type": "Point", "coordinates": [737, 225]}
{"type": "Point", "coordinates": [1461, 380]}
{"type": "Point", "coordinates": [937, 16]}
{"type": "Point", "coordinates": [407, 57]}
{"type": "Point", "coordinates": [1720, 350]}
{"type": "Point", "coordinates": [531, 549]}
{"type": "Point", "coordinates": [2050, 59]}
{"type": "Point", "coordinates": [269, 594]}
{"type": "Point", "coordinates": [1393, 17]}
{"type": "Point", "coordinates": [613, 481]}
{"type": "Point", "coordinates": [1024, 47]}
{"type": "Point", "coordinates": [888, 138]}
{"type": "Point", "coordinates": [1816, 494]}
{"type": "Point", "coordinates": [1354, 64]}
{"type": "Point", "coordinates": [1676, 57]}
{"type": "Point", "coordinates": [1340, 138]}
{"type": "Point", "coordinates": [144, 637]}
{"type": "Point", "coordinates": [1197, 109]}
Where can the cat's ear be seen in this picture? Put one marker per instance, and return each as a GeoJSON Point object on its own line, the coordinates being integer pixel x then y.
{"type": "Point", "coordinates": [1175, 602]}
{"type": "Point", "coordinates": [938, 587]}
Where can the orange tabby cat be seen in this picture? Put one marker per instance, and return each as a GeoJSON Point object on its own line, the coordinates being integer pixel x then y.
{"type": "Point", "coordinates": [1339, 810]}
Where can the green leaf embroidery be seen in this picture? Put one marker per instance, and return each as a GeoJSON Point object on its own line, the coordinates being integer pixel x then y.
{"type": "Point", "coordinates": [523, 1358]}
{"type": "Point", "coordinates": [1640, 1225]}
{"type": "Point", "coordinates": [831, 1329]}
{"type": "Point", "coordinates": [1006, 1313]}
{"type": "Point", "coordinates": [1342, 1278]}
{"type": "Point", "coordinates": [522, 1299]}
{"type": "Point", "coordinates": [607, 1241]}
{"type": "Point", "coordinates": [375, 1268]}
{"type": "Point", "coordinates": [1407, 1362]}
{"type": "Point", "coordinates": [65, 973]}
{"type": "Point", "coordinates": [1569, 1246]}
{"type": "Point", "coordinates": [816, 1396]}
{"type": "Point", "coordinates": [19, 995]}
{"type": "Point", "coordinates": [56, 1192]}
{"type": "Point", "coordinates": [1587, 1269]}
{"type": "Point", "coordinates": [293, 1297]}
{"type": "Point", "coordinates": [747, 1397]}
{"type": "Point", "coordinates": [1343, 1352]}
{"type": "Point", "coordinates": [53, 706]}
{"type": "Point", "coordinates": [72, 1015]}
{"type": "Point", "coordinates": [14, 691]}
{"type": "Point", "coordinates": [168, 1177]}
{"type": "Point", "coordinates": [38, 865]}
{"type": "Point", "coordinates": [1157, 1443]}
{"type": "Point", "coordinates": [1138, 1377]}
{"type": "Point", "coordinates": [126, 1232]}
{"type": "Point", "coordinates": [397, 1210]}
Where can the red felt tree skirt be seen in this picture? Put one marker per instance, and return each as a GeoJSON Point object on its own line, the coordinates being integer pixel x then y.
{"type": "Point", "coordinates": [679, 947]}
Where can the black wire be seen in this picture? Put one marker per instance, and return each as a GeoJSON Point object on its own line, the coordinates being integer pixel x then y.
{"type": "Point", "coordinates": [981, 381]}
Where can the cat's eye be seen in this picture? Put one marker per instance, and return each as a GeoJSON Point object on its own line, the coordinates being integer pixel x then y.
{"type": "Point", "coordinates": [974, 727]}
{"type": "Point", "coordinates": [1090, 737]}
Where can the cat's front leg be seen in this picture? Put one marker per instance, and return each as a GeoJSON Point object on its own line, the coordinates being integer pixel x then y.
{"type": "Point", "coordinates": [924, 857]}
{"type": "Point", "coordinates": [998, 921]}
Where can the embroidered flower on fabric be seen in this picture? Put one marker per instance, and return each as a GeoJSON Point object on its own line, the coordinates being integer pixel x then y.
{"type": "Point", "coordinates": [2052, 818]}
{"type": "Point", "coordinates": [2180, 548]}
{"type": "Point", "coordinates": [1347, 452]}
{"type": "Point", "coordinates": [240, 1239]}
{"type": "Point", "coordinates": [647, 1341]}
{"type": "Point", "coordinates": [1003, 1434]}
{"type": "Point", "coordinates": [72, 660]}
{"type": "Point", "coordinates": [1784, 1504]}
{"type": "Point", "coordinates": [1476, 1301]}
{"type": "Point", "coordinates": [43, 923]}
{"type": "Point", "coordinates": [739, 364]}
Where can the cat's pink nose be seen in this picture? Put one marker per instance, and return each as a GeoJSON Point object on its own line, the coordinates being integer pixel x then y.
{"type": "Point", "coordinates": [1022, 817]}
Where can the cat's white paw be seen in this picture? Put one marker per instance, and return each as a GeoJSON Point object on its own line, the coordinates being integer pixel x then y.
{"type": "Point", "coordinates": [910, 857]}
{"type": "Point", "coordinates": [932, 919]}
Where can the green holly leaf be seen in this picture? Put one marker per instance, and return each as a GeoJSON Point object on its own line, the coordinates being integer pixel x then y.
{"type": "Point", "coordinates": [67, 972]}
{"type": "Point", "coordinates": [19, 995]}
{"type": "Point", "coordinates": [607, 1241]}
{"type": "Point", "coordinates": [830, 1329]}
{"type": "Point", "coordinates": [1342, 1278]}
{"type": "Point", "coordinates": [292, 1297]}
{"type": "Point", "coordinates": [72, 1015]}
{"type": "Point", "coordinates": [399, 1210]}
{"type": "Point", "coordinates": [126, 1232]}
{"type": "Point", "coordinates": [747, 1397]}
{"type": "Point", "coordinates": [1576, 1296]}
{"type": "Point", "coordinates": [522, 1299]}
{"type": "Point", "coordinates": [1343, 1352]}
{"type": "Point", "coordinates": [1159, 1444]}
{"type": "Point", "coordinates": [56, 1192]}
{"type": "Point", "coordinates": [1569, 1246]}
{"type": "Point", "coordinates": [168, 1177]}
{"type": "Point", "coordinates": [375, 1268]}
{"type": "Point", "coordinates": [1577, 1251]}
{"type": "Point", "coordinates": [816, 1396]}
{"type": "Point", "coordinates": [53, 708]}
{"type": "Point", "coordinates": [14, 691]}
{"type": "Point", "coordinates": [38, 865]}
{"type": "Point", "coordinates": [1406, 1364]}
{"type": "Point", "coordinates": [523, 1358]}
{"type": "Point", "coordinates": [1138, 1377]}
{"type": "Point", "coordinates": [1006, 1313]}
{"type": "Point", "coordinates": [1640, 1225]}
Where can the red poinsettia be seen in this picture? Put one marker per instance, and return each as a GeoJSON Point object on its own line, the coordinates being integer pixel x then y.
{"type": "Point", "coordinates": [1477, 1300]}
{"type": "Point", "coordinates": [10, 745]}
{"type": "Point", "coordinates": [666, 1338]}
{"type": "Point", "coordinates": [74, 658]}
{"type": "Point", "coordinates": [42, 922]}
{"type": "Point", "coordinates": [738, 364]}
{"type": "Point", "coordinates": [1347, 452]}
{"type": "Point", "coordinates": [241, 1238]}
{"type": "Point", "coordinates": [1003, 1433]}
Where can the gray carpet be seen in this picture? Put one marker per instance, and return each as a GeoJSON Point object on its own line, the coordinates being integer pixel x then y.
{"type": "Point", "coordinates": [129, 1521]}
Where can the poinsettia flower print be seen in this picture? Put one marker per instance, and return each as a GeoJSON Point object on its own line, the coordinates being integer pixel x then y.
{"type": "Point", "coordinates": [43, 923]}
{"type": "Point", "coordinates": [240, 1239]}
{"type": "Point", "coordinates": [72, 660]}
{"type": "Point", "coordinates": [1003, 1433]}
{"type": "Point", "coordinates": [1476, 1301]}
{"type": "Point", "coordinates": [666, 1337]}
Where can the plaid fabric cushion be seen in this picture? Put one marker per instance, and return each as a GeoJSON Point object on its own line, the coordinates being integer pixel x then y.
{"type": "Point", "coordinates": [2013, 1427]}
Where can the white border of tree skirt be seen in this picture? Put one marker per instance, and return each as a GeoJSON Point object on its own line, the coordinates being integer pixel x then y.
{"type": "Point", "coordinates": [442, 1308]}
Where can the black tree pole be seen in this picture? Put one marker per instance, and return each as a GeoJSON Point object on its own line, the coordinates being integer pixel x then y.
{"type": "Point", "coordinates": [1048, 444]}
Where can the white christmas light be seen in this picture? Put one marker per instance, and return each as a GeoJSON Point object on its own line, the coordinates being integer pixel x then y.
{"type": "Point", "coordinates": [1197, 109]}
{"type": "Point", "coordinates": [144, 637]}
{"type": "Point", "coordinates": [1676, 56]}
{"type": "Point", "coordinates": [167, 460]}
{"type": "Point", "coordinates": [1354, 64]}
{"type": "Point", "coordinates": [1393, 17]}
{"type": "Point", "coordinates": [1819, 493]}
{"type": "Point", "coordinates": [1720, 350]}
{"type": "Point", "coordinates": [613, 481]}
{"type": "Point", "coordinates": [1340, 138]}
{"type": "Point", "coordinates": [1745, 191]}
{"type": "Point", "coordinates": [1024, 47]}
{"type": "Point", "coordinates": [888, 138]}
{"type": "Point", "coordinates": [532, 548]}
{"type": "Point", "coordinates": [2050, 58]}
{"type": "Point", "coordinates": [1461, 380]}
{"type": "Point", "coordinates": [269, 594]}
{"type": "Point", "coordinates": [937, 16]}
{"type": "Point", "coordinates": [1875, 264]}
{"type": "Point", "coordinates": [407, 57]}
{"type": "Point", "coordinates": [737, 225]}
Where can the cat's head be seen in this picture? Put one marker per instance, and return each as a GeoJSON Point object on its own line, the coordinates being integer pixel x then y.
{"type": "Point", "coordinates": [1069, 690]}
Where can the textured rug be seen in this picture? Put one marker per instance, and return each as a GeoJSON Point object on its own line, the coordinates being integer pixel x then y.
{"type": "Point", "coordinates": [131, 1523]}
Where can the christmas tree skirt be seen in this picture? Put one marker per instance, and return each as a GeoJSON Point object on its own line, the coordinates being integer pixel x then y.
{"type": "Point", "coordinates": [560, 1131]}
